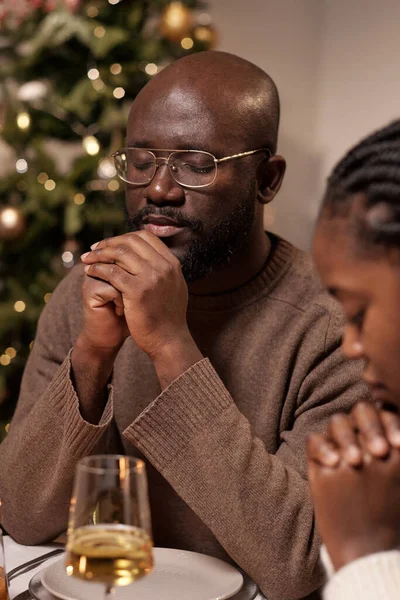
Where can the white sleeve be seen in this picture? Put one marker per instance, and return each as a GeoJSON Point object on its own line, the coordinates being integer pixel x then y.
{"type": "Point", "coordinates": [372, 577]}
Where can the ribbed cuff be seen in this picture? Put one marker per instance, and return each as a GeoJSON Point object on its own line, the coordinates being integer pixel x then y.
{"type": "Point", "coordinates": [372, 577]}
{"type": "Point", "coordinates": [167, 425]}
{"type": "Point", "coordinates": [79, 434]}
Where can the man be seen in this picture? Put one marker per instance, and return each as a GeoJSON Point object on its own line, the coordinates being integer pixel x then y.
{"type": "Point", "coordinates": [217, 388]}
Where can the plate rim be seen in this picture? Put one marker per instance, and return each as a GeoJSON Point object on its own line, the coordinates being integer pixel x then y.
{"type": "Point", "coordinates": [213, 560]}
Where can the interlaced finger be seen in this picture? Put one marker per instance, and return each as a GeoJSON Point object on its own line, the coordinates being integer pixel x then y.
{"type": "Point", "coordinates": [322, 450]}
{"type": "Point", "coordinates": [342, 432]}
{"type": "Point", "coordinates": [367, 420]}
{"type": "Point", "coordinates": [391, 425]}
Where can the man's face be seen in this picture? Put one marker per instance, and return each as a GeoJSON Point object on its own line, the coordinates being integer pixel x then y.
{"type": "Point", "coordinates": [204, 228]}
{"type": "Point", "coordinates": [368, 288]}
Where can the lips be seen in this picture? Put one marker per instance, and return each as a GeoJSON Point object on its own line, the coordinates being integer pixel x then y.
{"type": "Point", "coordinates": [161, 226]}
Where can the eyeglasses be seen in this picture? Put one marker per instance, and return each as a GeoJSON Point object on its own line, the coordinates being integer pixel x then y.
{"type": "Point", "coordinates": [189, 168]}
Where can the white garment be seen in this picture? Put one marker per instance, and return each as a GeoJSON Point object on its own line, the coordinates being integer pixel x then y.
{"type": "Point", "coordinates": [372, 577]}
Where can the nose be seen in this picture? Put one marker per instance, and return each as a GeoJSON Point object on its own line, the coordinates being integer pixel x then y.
{"type": "Point", "coordinates": [351, 343]}
{"type": "Point", "coordinates": [163, 189]}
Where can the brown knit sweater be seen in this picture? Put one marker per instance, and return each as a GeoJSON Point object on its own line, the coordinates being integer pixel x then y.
{"type": "Point", "coordinates": [224, 443]}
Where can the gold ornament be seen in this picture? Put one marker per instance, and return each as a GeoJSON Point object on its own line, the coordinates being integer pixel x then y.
{"type": "Point", "coordinates": [12, 223]}
{"type": "Point", "coordinates": [207, 35]}
{"type": "Point", "coordinates": [176, 20]}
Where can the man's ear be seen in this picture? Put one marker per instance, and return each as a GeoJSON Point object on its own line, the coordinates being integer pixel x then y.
{"type": "Point", "coordinates": [270, 174]}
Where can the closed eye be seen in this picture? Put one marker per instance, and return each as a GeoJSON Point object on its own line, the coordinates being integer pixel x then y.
{"type": "Point", "coordinates": [357, 319]}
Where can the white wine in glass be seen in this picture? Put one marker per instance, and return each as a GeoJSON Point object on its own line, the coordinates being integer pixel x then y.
{"type": "Point", "coordinates": [109, 531]}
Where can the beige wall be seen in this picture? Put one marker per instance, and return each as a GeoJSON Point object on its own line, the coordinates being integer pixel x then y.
{"type": "Point", "coordinates": [283, 38]}
{"type": "Point", "coordinates": [337, 67]}
{"type": "Point", "coordinates": [359, 76]}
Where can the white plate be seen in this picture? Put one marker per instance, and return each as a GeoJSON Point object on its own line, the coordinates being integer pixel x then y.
{"type": "Point", "coordinates": [177, 575]}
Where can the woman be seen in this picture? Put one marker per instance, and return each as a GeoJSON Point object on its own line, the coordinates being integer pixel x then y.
{"type": "Point", "coordinates": [354, 469]}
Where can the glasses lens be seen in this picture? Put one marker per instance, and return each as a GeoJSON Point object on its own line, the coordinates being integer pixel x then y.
{"type": "Point", "coordinates": [135, 165]}
{"type": "Point", "coordinates": [192, 168]}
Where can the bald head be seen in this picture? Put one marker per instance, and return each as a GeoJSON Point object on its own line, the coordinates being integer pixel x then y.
{"type": "Point", "coordinates": [241, 97]}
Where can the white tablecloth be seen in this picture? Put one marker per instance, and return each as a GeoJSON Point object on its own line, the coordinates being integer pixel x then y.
{"type": "Point", "coordinates": [17, 554]}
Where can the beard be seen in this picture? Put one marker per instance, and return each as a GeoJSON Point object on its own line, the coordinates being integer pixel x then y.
{"type": "Point", "coordinates": [212, 248]}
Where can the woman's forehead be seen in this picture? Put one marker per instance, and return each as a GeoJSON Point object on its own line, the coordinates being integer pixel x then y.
{"type": "Point", "coordinates": [341, 263]}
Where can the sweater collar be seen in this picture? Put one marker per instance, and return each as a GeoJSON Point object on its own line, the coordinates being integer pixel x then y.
{"type": "Point", "coordinates": [279, 259]}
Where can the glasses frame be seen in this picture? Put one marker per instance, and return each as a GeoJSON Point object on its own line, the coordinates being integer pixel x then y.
{"type": "Point", "coordinates": [171, 152]}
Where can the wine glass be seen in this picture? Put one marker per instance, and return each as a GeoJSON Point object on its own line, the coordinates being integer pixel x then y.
{"type": "Point", "coordinates": [109, 531]}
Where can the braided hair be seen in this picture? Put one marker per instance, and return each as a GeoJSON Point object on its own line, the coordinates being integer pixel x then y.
{"type": "Point", "coordinates": [371, 168]}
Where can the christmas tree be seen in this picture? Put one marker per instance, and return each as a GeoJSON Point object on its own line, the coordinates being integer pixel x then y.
{"type": "Point", "coordinates": [69, 70]}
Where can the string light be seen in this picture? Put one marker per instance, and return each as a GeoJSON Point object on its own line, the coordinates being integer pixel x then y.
{"type": "Point", "coordinates": [116, 69]}
{"type": "Point", "coordinates": [11, 352]}
{"type": "Point", "coordinates": [113, 185]}
{"type": "Point", "coordinates": [5, 360]}
{"type": "Point", "coordinates": [93, 74]}
{"type": "Point", "coordinates": [67, 257]}
{"type": "Point", "coordinates": [187, 43]}
{"type": "Point", "coordinates": [99, 31]}
{"type": "Point", "coordinates": [7, 427]}
{"type": "Point", "coordinates": [151, 69]}
{"type": "Point", "coordinates": [106, 169]}
{"type": "Point", "coordinates": [31, 344]}
{"type": "Point", "coordinates": [114, 1]}
{"type": "Point", "coordinates": [98, 84]}
{"type": "Point", "coordinates": [91, 145]}
{"type": "Point", "coordinates": [19, 306]}
{"type": "Point", "coordinates": [42, 178]}
{"type": "Point", "coordinates": [9, 217]}
{"type": "Point", "coordinates": [21, 165]}
{"type": "Point", "coordinates": [23, 120]}
{"type": "Point", "coordinates": [119, 93]}
{"type": "Point", "coordinates": [92, 11]}
{"type": "Point", "coordinates": [50, 185]}
{"type": "Point", "coordinates": [47, 297]}
{"type": "Point", "coordinates": [79, 199]}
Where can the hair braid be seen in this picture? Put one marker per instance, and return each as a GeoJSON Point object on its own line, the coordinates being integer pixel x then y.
{"type": "Point", "coordinates": [372, 168]}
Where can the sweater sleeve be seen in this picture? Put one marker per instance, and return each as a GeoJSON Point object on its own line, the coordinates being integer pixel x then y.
{"type": "Point", "coordinates": [257, 505]}
{"type": "Point", "coordinates": [372, 577]}
{"type": "Point", "coordinates": [47, 435]}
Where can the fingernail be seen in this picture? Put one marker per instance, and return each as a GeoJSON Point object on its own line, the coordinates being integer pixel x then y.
{"type": "Point", "coordinates": [395, 438]}
{"type": "Point", "coordinates": [83, 256]}
{"type": "Point", "coordinates": [86, 269]}
{"type": "Point", "coordinates": [94, 246]}
{"type": "Point", "coordinates": [378, 445]}
{"type": "Point", "coordinates": [353, 454]}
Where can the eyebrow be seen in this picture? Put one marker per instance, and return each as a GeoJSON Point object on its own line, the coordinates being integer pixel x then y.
{"type": "Point", "coordinates": [143, 144]}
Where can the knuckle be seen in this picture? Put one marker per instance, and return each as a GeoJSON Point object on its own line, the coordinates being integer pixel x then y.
{"type": "Point", "coordinates": [371, 429]}
{"type": "Point", "coordinates": [114, 271]}
{"type": "Point", "coordinates": [362, 407]}
{"type": "Point", "coordinates": [339, 419]}
{"type": "Point", "coordinates": [168, 270]}
{"type": "Point", "coordinates": [145, 235]}
{"type": "Point", "coordinates": [120, 250]}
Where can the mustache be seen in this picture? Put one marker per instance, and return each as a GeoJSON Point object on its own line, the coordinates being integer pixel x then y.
{"type": "Point", "coordinates": [135, 222]}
